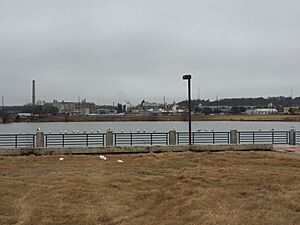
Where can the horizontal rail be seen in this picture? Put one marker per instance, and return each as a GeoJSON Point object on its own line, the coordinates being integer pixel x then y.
{"type": "Point", "coordinates": [204, 137]}
{"type": "Point", "coordinates": [17, 140]}
{"type": "Point", "coordinates": [141, 139]}
{"type": "Point", "coordinates": [75, 139]}
{"type": "Point", "coordinates": [268, 137]}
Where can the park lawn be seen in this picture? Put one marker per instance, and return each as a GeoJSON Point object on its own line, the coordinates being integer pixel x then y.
{"type": "Point", "coordinates": [167, 188]}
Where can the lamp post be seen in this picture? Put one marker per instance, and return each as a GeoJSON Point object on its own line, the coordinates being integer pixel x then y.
{"type": "Point", "coordinates": [188, 78]}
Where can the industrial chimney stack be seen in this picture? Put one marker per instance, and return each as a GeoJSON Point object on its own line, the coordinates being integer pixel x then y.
{"type": "Point", "coordinates": [33, 98]}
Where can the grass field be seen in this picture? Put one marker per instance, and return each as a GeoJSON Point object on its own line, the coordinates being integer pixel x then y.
{"type": "Point", "coordinates": [236, 188]}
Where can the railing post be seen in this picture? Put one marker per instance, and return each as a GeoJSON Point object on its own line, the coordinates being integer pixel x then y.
{"type": "Point", "coordinates": [172, 137]}
{"type": "Point", "coordinates": [233, 137]}
{"type": "Point", "coordinates": [16, 141]}
{"type": "Point", "coordinates": [193, 137]}
{"type": "Point", "coordinates": [109, 138]}
{"type": "Point", "coordinates": [39, 139]}
{"type": "Point", "coordinates": [292, 137]}
{"type": "Point", "coordinates": [46, 141]}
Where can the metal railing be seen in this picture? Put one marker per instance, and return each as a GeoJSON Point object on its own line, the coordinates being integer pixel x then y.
{"type": "Point", "coordinates": [155, 138]}
{"type": "Point", "coordinates": [141, 139]}
{"type": "Point", "coordinates": [204, 137]}
{"type": "Point", "coordinates": [297, 137]}
{"type": "Point", "coordinates": [90, 139]}
{"type": "Point", "coordinates": [17, 140]}
{"type": "Point", "coordinates": [271, 137]}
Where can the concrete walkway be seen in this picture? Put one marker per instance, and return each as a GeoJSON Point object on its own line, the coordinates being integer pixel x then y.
{"type": "Point", "coordinates": [134, 149]}
{"type": "Point", "coordinates": [294, 149]}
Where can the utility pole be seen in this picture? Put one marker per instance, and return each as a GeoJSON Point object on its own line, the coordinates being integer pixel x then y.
{"type": "Point", "coordinates": [188, 78]}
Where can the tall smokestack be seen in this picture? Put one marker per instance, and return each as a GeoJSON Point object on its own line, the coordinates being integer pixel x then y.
{"type": "Point", "coordinates": [33, 97]}
{"type": "Point", "coordinates": [2, 103]}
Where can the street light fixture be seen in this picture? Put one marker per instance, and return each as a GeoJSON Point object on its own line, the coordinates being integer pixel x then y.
{"type": "Point", "coordinates": [188, 78]}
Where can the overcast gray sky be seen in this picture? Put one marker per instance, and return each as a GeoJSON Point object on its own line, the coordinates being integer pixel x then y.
{"type": "Point", "coordinates": [116, 50]}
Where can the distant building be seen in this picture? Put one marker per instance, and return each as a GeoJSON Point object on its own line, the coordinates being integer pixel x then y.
{"type": "Point", "coordinates": [134, 110]}
{"type": "Point", "coordinates": [221, 109]}
{"type": "Point", "coordinates": [127, 106]}
{"type": "Point", "coordinates": [262, 111]}
{"type": "Point", "coordinates": [75, 108]}
{"type": "Point", "coordinates": [120, 108]}
{"type": "Point", "coordinates": [291, 110]}
{"type": "Point", "coordinates": [106, 110]}
{"type": "Point", "coordinates": [175, 108]}
{"type": "Point", "coordinates": [124, 108]}
{"type": "Point", "coordinates": [147, 108]}
{"type": "Point", "coordinates": [24, 115]}
{"type": "Point", "coordinates": [149, 105]}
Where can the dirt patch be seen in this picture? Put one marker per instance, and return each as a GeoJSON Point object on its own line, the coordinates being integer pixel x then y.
{"type": "Point", "coordinates": [167, 188]}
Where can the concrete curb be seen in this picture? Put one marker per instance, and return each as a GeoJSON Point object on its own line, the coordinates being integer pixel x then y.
{"type": "Point", "coordinates": [133, 149]}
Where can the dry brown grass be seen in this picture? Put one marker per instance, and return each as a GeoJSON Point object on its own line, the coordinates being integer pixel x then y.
{"type": "Point", "coordinates": [169, 188]}
{"type": "Point", "coordinates": [269, 117]}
